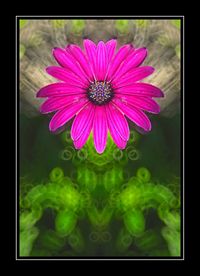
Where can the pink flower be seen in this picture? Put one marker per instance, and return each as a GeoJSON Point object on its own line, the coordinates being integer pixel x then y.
{"type": "Point", "coordinates": [100, 88]}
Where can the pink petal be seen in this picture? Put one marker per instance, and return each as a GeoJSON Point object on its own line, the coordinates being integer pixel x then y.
{"type": "Point", "coordinates": [62, 58]}
{"type": "Point", "coordinates": [56, 103]}
{"type": "Point", "coordinates": [101, 61]}
{"type": "Point", "coordinates": [90, 48]}
{"type": "Point", "coordinates": [59, 89]}
{"type": "Point", "coordinates": [144, 103]}
{"type": "Point", "coordinates": [134, 59]}
{"type": "Point", "coordinates": [134, 114]}
{"type": "Point", "coordinates": [68, 61]}
{"type": "Point", "coordinates": [83, 139]}
{"type": "Point", "coordinates": [119, 142]}
{"type": "Point", "coordinates": [118, 59]}
{"type": "Point", "coordinates": [80, 57]}
{"type": "Point", "coordinates": [81, 121]}
{"type": "Point", "coordinates": [65, 75]}
{"type": "Point", "coordinates": [65, 114]}
{"type": "Point", "coordinates": [111, 46]}
{"type": "Point", "coordinates": [100, 129]}
{"type": "Point", "coordinates": [143, 89]}
{"type": "Point", "coordinates": [133, 75]}
{"type": "Point", "coordinates": [115, 117]}
{"type": "Point", "coordinates": [85, 134]}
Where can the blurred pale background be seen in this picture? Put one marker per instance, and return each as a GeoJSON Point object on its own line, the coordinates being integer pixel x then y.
{"type": "Point", "coordinates": [38, 37]}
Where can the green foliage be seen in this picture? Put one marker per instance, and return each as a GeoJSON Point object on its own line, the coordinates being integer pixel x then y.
{"type": "Point", "coordinates": [51, 240]}
{"type": "Point", "coordinates": [99, 161]}
{"type": "Point", "coordinates": [76, 240]}
{"type": "Point", "coordinates": [87, 178]}
{"type": "Point", "coordinates": [111, 195]}
{"type": "Point", "coordinates": [142, 23]}
{"type": "Point", "coordinates": [143, 174]}
{"type": "Point", "coordinates": [27, 238]}
{"type": "Point", "coordinates": [128, 203]}
{"type": "Point", "coordinates": [135, 222]}
{"type": "Point", "coordinates": [124, 240]}
{"type": "Point", "coordinates": [22, 22]}
{"type": "Point", "coordinates": [57, 175]}
{"type": "Point", "coordinates": [65, 222]}
{"type": "Point", "coordinates": [148, 240]}
{"type": "Point", "coordinates": [100, 218]}
{"type": "Point", "coordinates": [28, 219]}
{"type": "Point", "coordinates": [173, 239]}
{"type": "Point", "coordinates": [113, 178]}
{"type": "Point", "coordinates": [176, 23]}
{"type": "Point", "coordinates": [171, 219]}
{"type": "Point", "coordinates": [58, 23]}
{"type": "Point", "coordinates": [129, 198]}
{"type": "Point", "coordinates": [122, 26]}
{"type": "Point", "coordinates": [78, 26]}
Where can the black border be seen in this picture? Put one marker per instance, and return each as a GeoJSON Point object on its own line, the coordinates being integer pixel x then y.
{"type": "Point", "coordinates": [96, 258]}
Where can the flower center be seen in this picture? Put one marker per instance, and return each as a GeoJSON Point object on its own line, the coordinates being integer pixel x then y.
{"type": "Point", "coordinates": [100, 92]}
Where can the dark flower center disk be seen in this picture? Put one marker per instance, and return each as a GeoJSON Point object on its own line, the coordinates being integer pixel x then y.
{"type": "Point", "coordinates": [100, 92]}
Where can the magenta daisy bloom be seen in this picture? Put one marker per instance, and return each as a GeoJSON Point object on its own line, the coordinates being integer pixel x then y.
{"type": "Point", "coordinates": [101, 88]}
